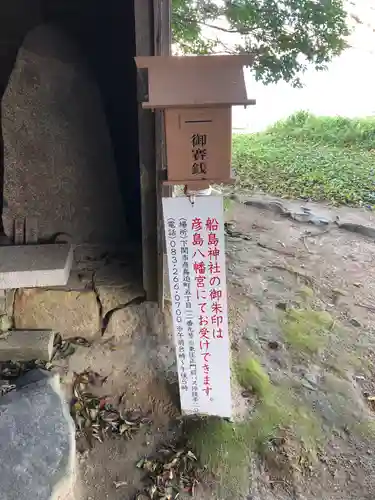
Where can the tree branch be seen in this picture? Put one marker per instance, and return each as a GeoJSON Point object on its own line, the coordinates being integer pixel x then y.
{"type": "Point", "coordinates": [226, 30]}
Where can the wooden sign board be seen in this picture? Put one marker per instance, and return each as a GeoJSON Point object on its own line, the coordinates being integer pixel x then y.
{"type": "Point", "coordinates": [199, 144]}
{"type": "Point", "coordinates": [196, 264]}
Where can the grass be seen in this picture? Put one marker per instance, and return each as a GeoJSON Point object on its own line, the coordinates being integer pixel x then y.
{"type": "Point", "coordinates": [310, 157]}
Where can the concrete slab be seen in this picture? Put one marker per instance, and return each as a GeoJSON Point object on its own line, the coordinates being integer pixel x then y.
{"type": "Point", "coordinates": [30, 266]}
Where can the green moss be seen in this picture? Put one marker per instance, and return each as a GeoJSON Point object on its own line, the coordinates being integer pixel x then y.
{"type": "Point", "coordinates": [223, 450]}
{"type": "Point", "coordinates": [306, 330]}
{"type": "Point", "coordinates": [252, 376]}
{"type": "Point", "coordinates": [283, 412]}
{"type": "Point", "coordinates": [277, 409]}
{"type": "Point", "coordinates": [228, 203]}
{"type": "Point", "coordinates": [306, 293]}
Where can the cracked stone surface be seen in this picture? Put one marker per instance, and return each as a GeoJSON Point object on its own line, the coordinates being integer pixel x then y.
{"type": "Point", "coordinates": [70, 313]}
{"type": "Point", "coordinates": [114, 297]}
{"type": "Point", "coordinates": [124, 322]}
{"type": "Point", "coordinates": [37, 436]}
{"type": "Point", "coordinates": [117, 284]}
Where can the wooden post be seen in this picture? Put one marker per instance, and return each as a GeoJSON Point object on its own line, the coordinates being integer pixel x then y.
{"type": "Point", "coordinates": [162, 44]}
{"type": "Point", "coordinates": [144, 35]}
{"type": "Point", "coordinates": [153, 37]}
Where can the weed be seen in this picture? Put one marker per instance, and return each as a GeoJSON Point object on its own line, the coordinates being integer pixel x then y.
{"type": "Point", "coordinates": [228, 203]}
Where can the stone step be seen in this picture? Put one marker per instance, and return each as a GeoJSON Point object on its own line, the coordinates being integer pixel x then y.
{"type": "Point", "coordinates": [30, 266]}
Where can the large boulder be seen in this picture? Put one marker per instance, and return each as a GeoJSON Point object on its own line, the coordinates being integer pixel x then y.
{"type": "Point", "coordinates": [37, 441]}
{"type": "Point", "coordinates": [59, 164]}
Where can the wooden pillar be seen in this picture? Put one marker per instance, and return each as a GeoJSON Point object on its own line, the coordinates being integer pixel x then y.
{"type": "Point", "coordinates": [144, 36]}
{"type": "Point", "coordinates": [162, 43]}
{"type": "Point", "coordinates": [153, 37]}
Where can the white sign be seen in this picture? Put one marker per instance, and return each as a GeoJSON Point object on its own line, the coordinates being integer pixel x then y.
{"type": "Point", "coordinates": [196, 264]}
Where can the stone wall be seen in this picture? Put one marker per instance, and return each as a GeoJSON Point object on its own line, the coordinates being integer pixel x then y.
{"type": "Point", "coordinates": [97, 287]}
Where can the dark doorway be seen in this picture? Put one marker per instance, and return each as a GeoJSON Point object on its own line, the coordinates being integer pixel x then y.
{"type": "Point", "coordinates": [105, 35]}
{"type": "Point", "coordinates": [105, 32]}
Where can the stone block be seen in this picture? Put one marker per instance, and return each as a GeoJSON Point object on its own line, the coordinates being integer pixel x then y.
{"type": "Point", "coordinates": [124, 322]}
{"type": "Point", "coordinates": [116, 297]}
{"type": "Point", "coordinates": [117, 284]}
{"type": "Point", "coordinates": [37, 436]}
{"type": "Point", "coordinates": [35, 265]}
{"type": "Point", "coordinates": [21, 345]}
{"type": "Point", "coordinates": [119, 274]}
{"type": "Point", "coordinates": [71, 313]}
{"type": "Point", "coordinates": [6, 309]}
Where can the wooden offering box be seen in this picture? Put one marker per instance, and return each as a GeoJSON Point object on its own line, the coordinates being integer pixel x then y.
{"type": "Point", "coordinates": [196, 94]}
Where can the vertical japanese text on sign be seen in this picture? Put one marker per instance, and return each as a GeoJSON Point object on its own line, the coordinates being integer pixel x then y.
{"type": "Point", "coordinates": [197, 279]}
{"type": "Point", "coordinates": [189, 315]}
{"type": "Point", "coordinates": [199, 154]}
{"type": "Point", "coordinates": [207, 281]}
{"type": "Point", "coordinates": [176, 295]}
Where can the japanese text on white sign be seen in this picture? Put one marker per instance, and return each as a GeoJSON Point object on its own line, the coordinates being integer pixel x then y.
{"type": "Point", "coordinates": [196, 265]}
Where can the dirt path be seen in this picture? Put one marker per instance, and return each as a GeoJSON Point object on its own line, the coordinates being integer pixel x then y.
{"type": "Point", "coordinates": [302, 302]}
{"type": "Point", "coordinates": [276, 263]}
